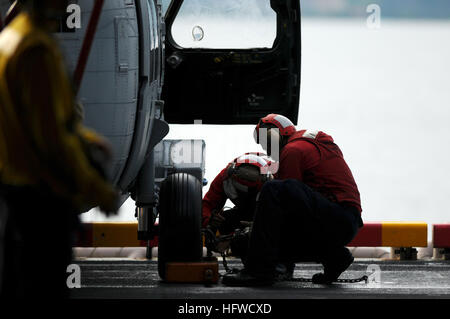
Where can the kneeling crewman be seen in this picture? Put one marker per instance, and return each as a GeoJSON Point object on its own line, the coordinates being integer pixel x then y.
{"type": "Point", "coordinates": [240, 182]}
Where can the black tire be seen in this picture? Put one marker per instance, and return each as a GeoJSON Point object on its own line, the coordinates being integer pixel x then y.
{"type": "Point", "coordinates": [180, 210]}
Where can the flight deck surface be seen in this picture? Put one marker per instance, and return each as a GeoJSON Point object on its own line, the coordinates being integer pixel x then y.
{"type": "Point", "coordinates": [138, 279]}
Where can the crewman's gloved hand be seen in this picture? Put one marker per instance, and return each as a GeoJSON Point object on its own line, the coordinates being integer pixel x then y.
{"type": "Point", "coordinates": [248, 227]}
{"type": "Point", "coordinates": [216, 220]}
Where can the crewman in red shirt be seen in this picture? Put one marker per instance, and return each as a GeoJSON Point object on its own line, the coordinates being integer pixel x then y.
{"type": "Point", "coordinates": [240, 182]}
{"type": "Point", "coordinates": [308, 213]}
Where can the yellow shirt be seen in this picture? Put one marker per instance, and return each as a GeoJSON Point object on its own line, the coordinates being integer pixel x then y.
{"type": "Point", "coordinates": [41, 138]}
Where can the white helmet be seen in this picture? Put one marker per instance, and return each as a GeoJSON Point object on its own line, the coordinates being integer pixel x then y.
{"type": "Point", "coordinates": [248, 172]}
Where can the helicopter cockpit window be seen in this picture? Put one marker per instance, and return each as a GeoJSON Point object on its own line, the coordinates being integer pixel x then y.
{"type": "Point", "coordinates": [225, 24]}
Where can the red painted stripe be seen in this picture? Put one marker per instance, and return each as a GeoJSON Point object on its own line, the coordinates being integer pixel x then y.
{"type": "Point", "coordinates": [143, 243]}
{"type": "Point", "coordinates": [368, 236]}
{"type": "Point", "coordinates": [441, 236]}
{"type": "Point", "coordinates": [154, 242]}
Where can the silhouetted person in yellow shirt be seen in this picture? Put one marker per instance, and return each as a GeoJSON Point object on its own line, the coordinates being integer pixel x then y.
{"type": "Point", "coordinates": [46, 177]}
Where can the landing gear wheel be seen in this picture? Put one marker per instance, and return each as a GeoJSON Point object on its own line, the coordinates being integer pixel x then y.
{"type": "Point", "coordinates": [180, 208]}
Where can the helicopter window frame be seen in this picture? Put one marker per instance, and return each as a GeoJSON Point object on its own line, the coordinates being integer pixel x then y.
{"type": "Point", "coordinates": [173, 41]}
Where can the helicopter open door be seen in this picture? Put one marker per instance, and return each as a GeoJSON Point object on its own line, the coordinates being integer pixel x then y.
{"type": "Point", "coordinates": [232, 61]}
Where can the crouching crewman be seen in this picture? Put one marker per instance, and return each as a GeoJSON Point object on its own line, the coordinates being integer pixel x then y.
{"type": "Point", "coordinates": [310, 212]}
{"type": "Point", "coordinates": [240, 182]}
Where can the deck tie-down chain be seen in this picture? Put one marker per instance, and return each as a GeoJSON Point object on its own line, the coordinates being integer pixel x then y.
{"type": "Point", "coordinates": [229, 270]}
{"type": "Point", "coordinates": [346, 281]}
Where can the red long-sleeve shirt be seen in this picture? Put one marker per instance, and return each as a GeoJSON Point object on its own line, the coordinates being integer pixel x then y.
{"type": "Point", "coordinates": [314, 158]}
{"type": "Point", "coordinates": [215, 198]}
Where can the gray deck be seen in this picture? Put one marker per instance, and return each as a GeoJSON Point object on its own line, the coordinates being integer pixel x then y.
{"type": "Point", "coordinates": [119, 279]}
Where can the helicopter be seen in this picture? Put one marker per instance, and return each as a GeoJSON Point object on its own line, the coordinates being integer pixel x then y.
{"type": "Point", "coordinates": [140, 76]}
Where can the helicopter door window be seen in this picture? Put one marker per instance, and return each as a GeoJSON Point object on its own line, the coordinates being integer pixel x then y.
{"type": "Point", "coordinates": [225, 24]}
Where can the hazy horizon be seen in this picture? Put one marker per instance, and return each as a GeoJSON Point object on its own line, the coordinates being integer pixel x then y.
{"type": "Point", "coordinates": [398, 9]}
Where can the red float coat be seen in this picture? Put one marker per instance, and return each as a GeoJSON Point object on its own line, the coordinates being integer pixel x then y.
{"type": "Point", "coordinates": [313, 158]}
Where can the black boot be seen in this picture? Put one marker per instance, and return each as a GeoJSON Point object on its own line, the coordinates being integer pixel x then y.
{"type": "Point", "coordinates": [284, 271]}
{"type": "Point", "coordinates": [334, 265]}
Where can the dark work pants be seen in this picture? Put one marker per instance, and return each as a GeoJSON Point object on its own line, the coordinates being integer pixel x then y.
{"type": "Point", "coordinates": [37, 244]}
{"type": "Point", "coordinates": [294, 223]}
